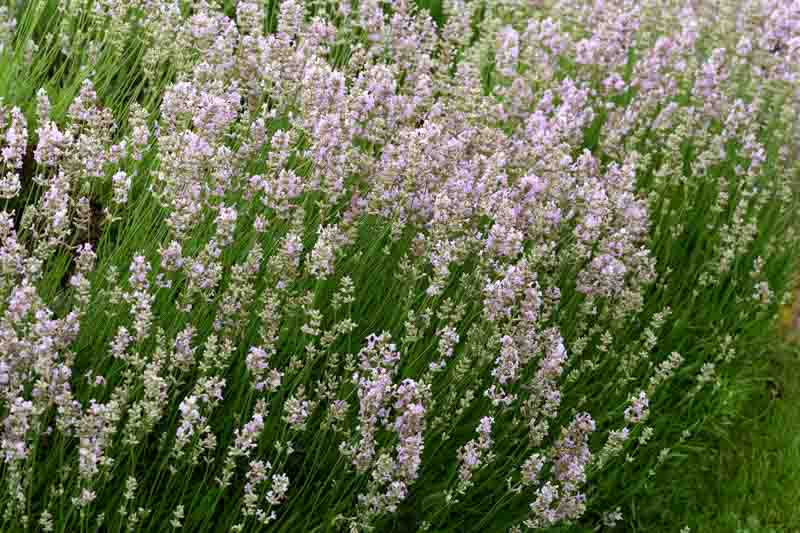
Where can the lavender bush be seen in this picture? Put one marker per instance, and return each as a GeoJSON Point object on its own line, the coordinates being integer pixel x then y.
{"type": "Point", "coordinates": [379, 266]}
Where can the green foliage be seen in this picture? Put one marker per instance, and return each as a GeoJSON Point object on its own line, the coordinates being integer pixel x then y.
{"type": "Point", "coordinates": [752, 485]}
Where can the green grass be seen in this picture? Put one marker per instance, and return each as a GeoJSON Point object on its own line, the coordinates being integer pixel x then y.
{"type": "Point", "coordinates": [746, 479]}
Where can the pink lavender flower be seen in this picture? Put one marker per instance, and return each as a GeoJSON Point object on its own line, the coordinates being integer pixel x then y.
{"type": "Point", "coordinates": [266, 378]}
{"type": "Point", "coordinates": [297, 410]}
{"type": "Point", "coordinates": [323, 255]}
{"type": "Point", "coordinates": [171, 257]}
{"type": "Point", "coordinates": [475, 453]}
{"type": "Point", "coordinates": [10, 185]}
{"type": "Point", "coordinates": [226, 225]}
{"type": "Point", "coordinates": [52, 144]}
{"type": "Point", "coordinates": [507, 363]}
{"type": "Point", "coordinates": [409, 424]}
{"type": "Point", "coordinates": [140, 297]}
{"type": "Point", "coordinates": [16, 426]}
{"type": "Point", "coordinates": [121, 185]}
{"type": "Point", "coordinates": [16, 140]}
{"type": "Point", "coordinates": [638, 411]}
{"type": "Point", "coordinates": [562, 500]}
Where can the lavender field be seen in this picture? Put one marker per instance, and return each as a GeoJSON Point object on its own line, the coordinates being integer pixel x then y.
{"type": "Point", "coordinates": [390, 266]}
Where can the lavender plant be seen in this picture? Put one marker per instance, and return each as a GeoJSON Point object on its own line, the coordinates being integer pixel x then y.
{"type": "Point", "coordinates": [379, 266]}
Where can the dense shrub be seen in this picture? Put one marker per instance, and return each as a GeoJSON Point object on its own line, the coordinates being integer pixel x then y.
{"type": "Point", "coordinates": [291, 266]}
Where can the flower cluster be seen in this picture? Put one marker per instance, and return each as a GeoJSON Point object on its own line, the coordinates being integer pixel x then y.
{"type": "Point", "coordinates": [305, 263]}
